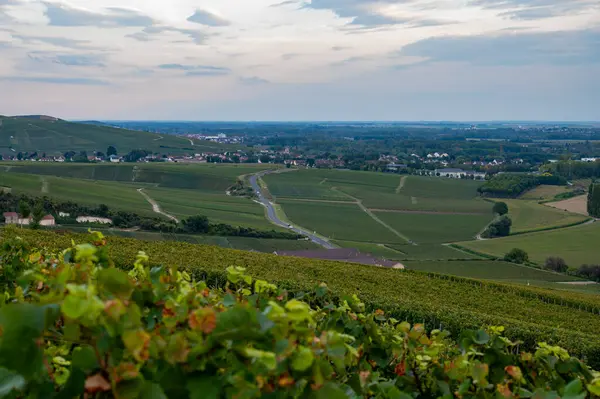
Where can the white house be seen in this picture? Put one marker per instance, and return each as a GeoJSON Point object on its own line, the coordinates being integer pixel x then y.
{"type": "Point", "coordinates": [48, 220]}
{"type": "Point", "coordinates": [114, 159]}
{"type": "Point", "coordinates": [93, 219]}
{"type": "Point", "coordinates": [589, 159]}
{"type": "Point", "coordinates": [64, 214]}
{"type": "Point", "coordinates": [14, 218]}
{"type": "Point", "coordinates": [11, 217]}
{"type": "Point", "coordinates": [458, 173]}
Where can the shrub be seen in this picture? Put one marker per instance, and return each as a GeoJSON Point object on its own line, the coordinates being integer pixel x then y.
{"type": "Point", "coordinates": [591, 272]}
{"type": "Point", "coordinates": [499, 228]}
{"type": "Point", "coordinates": [517, 255]}
{"type": "Point", "coordinates": [75, 326]}
{"type": "Point", "coordinates": [556, 264]}
{"type": "Point", "coordinates": [593, 202]}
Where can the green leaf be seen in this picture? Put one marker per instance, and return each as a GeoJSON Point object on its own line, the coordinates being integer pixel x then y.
{"type": "Point", "coordinates": [152, 390]}
{"type": "Point", "coordinates": [303, 359]}
{"type": "Point", "coordinates": [10, 381]}
{"type": "Point", "coordinates": [229, 300]}
{"type": "Point", "coordinates": [85, 359]}
{"type": "Point", "coordinates": [204, 387]}
{"type": "Point", "coordinates": [573, 388]}
{"type": "Point", "coordinates": [22, 325]}
{"type": "Point", "coordinates": [481, 337]}
{"type": "Point", "coordinates": [115, 281]}
{"type": "Point", "coordinates": [330, 391]}
{"type": "Point", "coordinates": [75, 385]}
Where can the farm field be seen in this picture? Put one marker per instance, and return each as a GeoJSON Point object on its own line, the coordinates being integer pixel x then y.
{"type": "Point", "coordinates": [431, 252]}
{"type": "Point", "coordinates": [529, 215]}
{"type": "Point", "coordinates": [205, 177]}
{"type": "Point", "coordinates": [575, 205]}
{"type": "Point", "coordinates": [219, 208]}
{"type": "Point", "coordinates": [338, 221]}
{"type": "Point", "coordinates": [380, 190]}
{"type": "Point", "coordinates": [379, 250]}
{"type": "Point", "coordinates": [120, 196]}
{"type": "Point", "coordinates": [425, 228]}
{"type": "Point", "coordinates": [544, 192]}
{"type": "Point", "coordinates": [577, 245]}
{"type": "Point", "coordinates": [488, 270]}
{"type": "Point", "coordinates": [242, 243]}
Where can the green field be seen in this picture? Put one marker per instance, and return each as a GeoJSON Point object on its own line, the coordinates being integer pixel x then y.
{"type": "Point", "coordinates": [243, 243]}
{"type": "Point", "coordinates": [431, 252]}
{"type": "Point", "coordinates": [488, 270]}
{"type": "Point", "coordinates": [544, 192]}
{"type": "Point", "coordinates": [380, 190]}
{"type": "Point", "coordinates": [204, 177]}
{"type": "Point", "coordinates": [529, 215]}
{"type": "Point", "coordinates": [577, 245]}
{"type": "Point", "coordinates": [119, 196]}
{"type": "Point", "coordinates": [338, 221]}
{"type": "Point", "coordinates": [57, 137]}
{"type": "Point", "coordinates": [424, 228]}
{"type": "Point", "coordinates": [379, 250]}
{"type": "Point", "coordinates": [219, 208]}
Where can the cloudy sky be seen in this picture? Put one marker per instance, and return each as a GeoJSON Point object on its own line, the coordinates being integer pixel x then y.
{"type": "Point", "coordinates": [301, 60]}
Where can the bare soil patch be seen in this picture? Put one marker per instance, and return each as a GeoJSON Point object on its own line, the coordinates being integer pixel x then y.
{"type": "Point", "coordinates": [575, 205]}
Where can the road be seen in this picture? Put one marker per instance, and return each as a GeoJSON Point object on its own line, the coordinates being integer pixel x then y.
{"type": "Point", "coordinates": [272, 215]}
{"type": "Point", "coordinates": [155, 206]}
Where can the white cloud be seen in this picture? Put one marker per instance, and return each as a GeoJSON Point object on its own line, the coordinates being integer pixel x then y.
{"type": "Point", "coordinates": [227, 55]}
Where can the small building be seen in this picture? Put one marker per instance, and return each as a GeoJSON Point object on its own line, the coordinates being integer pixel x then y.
{"type": "Point", "coordinates": [64, 214]}
{"type": "Point", "coordinates": [48, 220]}
{"type": "Point", "coordinates": [589, 159]}
{"type": "Point", "coordinates": [11, 217]}
{"type": "Point", "coordinates": [93, 219]}
{"type": "Point", "coordinates": [394, 167]}
{"type": "Point", "coordinates": [459, 173]}
{"type": "Point", "coordinates": [114, 159]}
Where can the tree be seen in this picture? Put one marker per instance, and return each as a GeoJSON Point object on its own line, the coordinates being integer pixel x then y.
{"type": "Point", "coordinates": [556, 264]}
{"type": "Point", "coordinates": [37, 215]}
{"type": "Point", "coordinates": [111, 150]}
{"type": "Point", "coordinates": [593, 202]}
{"type": "Point", "coordinates": [517, 255]}
{"type": "Point", "coordinates": [196, 224]}
{"type": "Point", "coordinates": [501, 208]}
{"type": "Point", "coordinates": [24, 209]}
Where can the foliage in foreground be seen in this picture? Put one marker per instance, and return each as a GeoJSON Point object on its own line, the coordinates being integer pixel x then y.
{"type": "Point", "coordinates": [73, 325]}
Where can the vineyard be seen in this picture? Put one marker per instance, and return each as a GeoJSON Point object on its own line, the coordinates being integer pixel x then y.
{"type": "Point", "coordinates": [74, 325]}
{"type": "Point", "coordinates": [568, 319]}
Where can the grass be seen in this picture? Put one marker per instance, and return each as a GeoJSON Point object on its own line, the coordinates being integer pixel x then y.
{"type": "Point", "coordinates": [431, 252]}
{"type": "Point", "coordinates": [488, 270]}
{"type": "Point", "coordinates": [577, 245]}
{"type": "Point", "coordinates": [529, 215]}
{"type": "Point", "coordinates": [338, 221]}
{"type": "Point", "coordinates": [424, 228]}
{"type": "Point", "coordinates": [56, 137]}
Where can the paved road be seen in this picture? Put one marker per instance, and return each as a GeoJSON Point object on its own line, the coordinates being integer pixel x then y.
{"type": "Point", "coordinates": [273, 215]}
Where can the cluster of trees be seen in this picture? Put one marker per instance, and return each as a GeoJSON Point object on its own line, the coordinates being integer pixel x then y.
{"type": "Point", "coordinates": [575, 169]}
{"type": "Point", "coordinates": [512, 184]}
{"type": "Point", "coordinates": [556, 264]}
{"type": "Point", "coordinates": [593, 201]}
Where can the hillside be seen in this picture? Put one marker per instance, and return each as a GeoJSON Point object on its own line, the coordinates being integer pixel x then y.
{"type": "Point", "coordinates": [453, 303]}
{"type": "Point", "coordinates": [54, 136]}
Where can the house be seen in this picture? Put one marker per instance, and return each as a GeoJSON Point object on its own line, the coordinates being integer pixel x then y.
{"type": "Point", "coordinates": [394, 167]}
{"type": "Point", "coordinates": [64, 214]}
{"type": "Point", "coordinates": [48, 220]}
{"type": "Point", "coordinates": [459, 173]}
{"type": "Point", "coordinates": [589, 159]}
{"type": "Point", "coordinates": [114, 159]}
{"type": "Point", "coordinates": [11, 217]}
{"type": "Point", "coordinates": [343, 255]}
{"type": "Point", "coordinates": [93, 219]}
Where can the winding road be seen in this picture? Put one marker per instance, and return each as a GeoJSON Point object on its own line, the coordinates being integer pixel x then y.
{"type": "Point", "coordinates": [272, 215]}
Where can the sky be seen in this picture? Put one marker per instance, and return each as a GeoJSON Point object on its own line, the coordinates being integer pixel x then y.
{"type": "Point", "coordinates": [391, 60]}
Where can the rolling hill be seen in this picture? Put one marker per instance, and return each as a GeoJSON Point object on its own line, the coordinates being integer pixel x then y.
{"type": "Point", "coordinates": [54, 136]}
